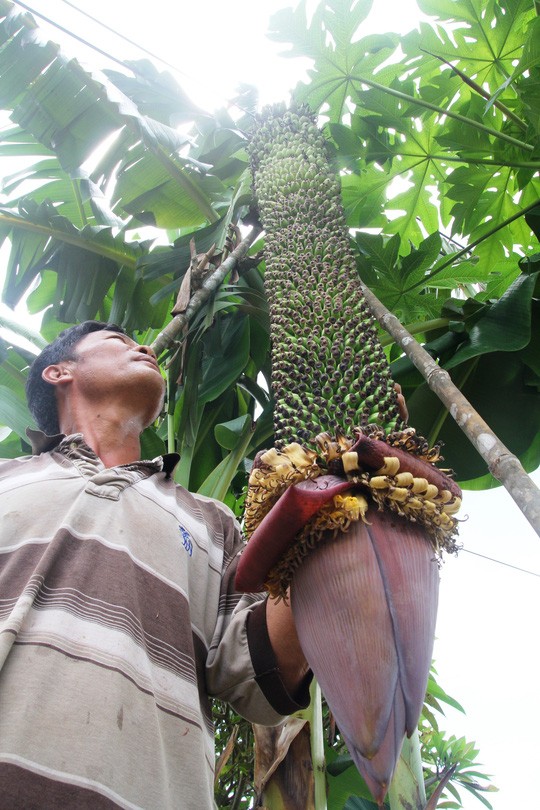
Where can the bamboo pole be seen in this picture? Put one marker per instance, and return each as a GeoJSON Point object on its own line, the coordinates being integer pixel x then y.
{"type": "Point", "coordinates": [180, 322]}
{"type": "Point", "coordinates": [502, 464]}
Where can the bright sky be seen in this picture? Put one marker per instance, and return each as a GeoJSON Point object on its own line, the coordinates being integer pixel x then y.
{"type": "Point", "coordinates": [487, 651]}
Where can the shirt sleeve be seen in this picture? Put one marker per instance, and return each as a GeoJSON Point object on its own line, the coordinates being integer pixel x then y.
{"type": "Point", "coordinates": [241, 667]}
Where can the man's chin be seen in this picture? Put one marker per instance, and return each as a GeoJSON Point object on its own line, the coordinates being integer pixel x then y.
{"type": "Point", "coordinates": [156, 412]}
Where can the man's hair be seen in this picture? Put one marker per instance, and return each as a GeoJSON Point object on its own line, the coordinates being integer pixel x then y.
{"type": "Point", "coordinates": [40, 394]}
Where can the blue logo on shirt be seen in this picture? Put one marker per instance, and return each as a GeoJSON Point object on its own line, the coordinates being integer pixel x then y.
{"type": "Point", "coordinates": [186, 540]}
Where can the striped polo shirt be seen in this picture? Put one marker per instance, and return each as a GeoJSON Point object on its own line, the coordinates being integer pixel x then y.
{"type": "Point", "coordinates": [118, 621]}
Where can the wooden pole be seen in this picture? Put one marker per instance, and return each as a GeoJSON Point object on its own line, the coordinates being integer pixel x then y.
{"type": "Point", "coordinates": [502, 464]}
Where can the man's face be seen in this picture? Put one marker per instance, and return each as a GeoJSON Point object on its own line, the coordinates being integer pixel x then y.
{"type": "Point", "coordinates": [111, 365]}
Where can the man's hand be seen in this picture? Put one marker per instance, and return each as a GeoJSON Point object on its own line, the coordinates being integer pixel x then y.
{"type": "Point", "coordinates": [282, 631]}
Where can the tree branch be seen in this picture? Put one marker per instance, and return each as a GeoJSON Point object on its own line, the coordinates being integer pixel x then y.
{"type": "Point", "coordinates": [436, 795]}
{"type": "Point", "coordinates": [502, 464]}
{"type": "Point", "coordinates": [174, 328]}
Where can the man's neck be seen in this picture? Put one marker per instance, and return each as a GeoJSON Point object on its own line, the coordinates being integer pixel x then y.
{"type": "Point", "coordinates": [114, 437]}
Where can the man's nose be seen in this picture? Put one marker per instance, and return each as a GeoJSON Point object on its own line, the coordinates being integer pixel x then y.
{"type": "Point", "coordinates": [147, 350]}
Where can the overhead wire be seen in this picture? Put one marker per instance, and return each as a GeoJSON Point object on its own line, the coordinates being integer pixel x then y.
{"type": "Point", "coordinates": [500, 562]}
{"type": "Point", "coordinates": [126, 39]}
{"type": "Point", "coordinates": [68, 32]}
{"type": "Point", "coordinates": [96, 48]}
{"type": "Point", "coordinates": [204, 86]}
{"type": "Point", "coordinates": [133, 68]}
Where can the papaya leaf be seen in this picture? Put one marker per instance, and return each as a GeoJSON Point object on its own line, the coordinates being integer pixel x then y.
{"type": "Point", "coordinates": [329, 39]}
{"type": "Point", "coordinates": [506, 325]}
{"type": "Point", "coordinates": [533, 221]}
{"type": "Point", "coordinates": [494, 385]}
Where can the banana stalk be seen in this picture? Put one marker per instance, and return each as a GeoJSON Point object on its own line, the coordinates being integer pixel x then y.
{"type": "Point", "coordinates": [348, 510]}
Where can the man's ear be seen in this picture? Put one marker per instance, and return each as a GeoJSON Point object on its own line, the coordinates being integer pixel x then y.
{"type": "Point", "coordinates": [58, 374]}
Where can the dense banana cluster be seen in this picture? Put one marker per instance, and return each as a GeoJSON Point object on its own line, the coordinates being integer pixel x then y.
{"type": "Point", "coordinates": [387, 488]}
{"type": "Point", "coordinates": [392, 487]}
{"type": "Point", "coordinates": [272, 472]}
{"type": "Point", "coordinates": [330, 377]}
{"type": "Point", "coordinates": [343, 467]}
{"type": "Point", "coordinates": [329, 369]}
{"type": "Point", "coordinates": [420, 501]}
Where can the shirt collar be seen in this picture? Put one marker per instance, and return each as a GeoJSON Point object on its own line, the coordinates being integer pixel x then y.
{"type": "Point", "coordinates": [41, 443]}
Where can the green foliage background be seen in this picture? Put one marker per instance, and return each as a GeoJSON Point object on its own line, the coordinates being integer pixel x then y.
{"type": "Point", "coordinates": [436, 135]}
{"type": "Point", "coordinates": [436, 138]}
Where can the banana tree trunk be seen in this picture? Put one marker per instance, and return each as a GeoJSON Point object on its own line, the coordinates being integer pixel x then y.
{"type": "Point", "coordinates": [283, 766]}
{"type": "Point", "coordinates": [407, 790]}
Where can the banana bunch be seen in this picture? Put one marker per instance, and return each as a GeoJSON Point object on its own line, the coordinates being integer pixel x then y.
{"type": "Point", "coordinates": [324, 336]}
{"type": "Point", "coordinates": [348, 512]}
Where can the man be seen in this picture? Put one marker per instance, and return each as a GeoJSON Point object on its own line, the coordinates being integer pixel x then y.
{"type": "Point", "coordinates": [118, 616]}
